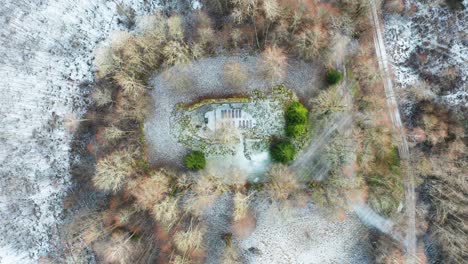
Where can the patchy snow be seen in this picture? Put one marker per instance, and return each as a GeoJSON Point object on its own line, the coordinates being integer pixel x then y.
{"type": "Point", "coordinates": [196, 4]}
{"type": "Point", "coordinates": [428, 42]}
{"type": "Point", "coordinates": [46, 58]}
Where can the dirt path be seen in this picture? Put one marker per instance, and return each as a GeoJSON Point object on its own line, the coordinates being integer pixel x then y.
{"type": "Point", "coordinates": [399, 133]}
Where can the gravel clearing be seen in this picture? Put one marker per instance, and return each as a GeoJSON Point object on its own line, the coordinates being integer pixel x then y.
{"type": "Point", "coordinates": [304, 235]}
{"type": "Point", "coordinates": [288, 234]}
{"type": "Point", "coordinates": [205, 79]}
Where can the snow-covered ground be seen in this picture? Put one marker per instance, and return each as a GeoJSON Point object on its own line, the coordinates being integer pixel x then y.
{"type": "Point", "coordinates": [305, 235]}
{"type": "Point", "coordinates": [428, 42]}
{"type": "Point", "coordinates": [46, 59]}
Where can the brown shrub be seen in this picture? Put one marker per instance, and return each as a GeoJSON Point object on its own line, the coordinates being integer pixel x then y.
{"type": "Point", "coordinates": [244, 227]}
{"type": "Point", "coordinates": [231, 255]}
{"type": "Point", "coordinates": [101, 96]}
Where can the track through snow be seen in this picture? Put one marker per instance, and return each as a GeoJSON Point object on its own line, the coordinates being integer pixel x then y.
{"type": "Point", "coordinates": [399, 133]}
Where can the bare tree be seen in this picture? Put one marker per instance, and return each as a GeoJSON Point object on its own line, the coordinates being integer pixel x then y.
{"type": "Point", "coordinates": [394, 6]}
{"type": "Point", "coordinates": [131, 86]}
{"type": "Point", "coordinates": [272, 64]}
{"type": "Point", "coordinates": [178, 259]}
{"type": "Point", "coordinates": [328, 102]}
{"type": "Point", "coordinates": [282, 183]}
{"type": "Point", "coordinates": [101, 96]}
{"type": "Point", "coordinates": [175, 53]}
{"type": "Point", "coordinates": [308, 44]}
{"type": "Point", "coordinates": [119, 248]}
{"type": "Point", "coordinates": [272, 9]}
{"type": "Point", "coordinates": [112, 171]}
{"type": "Point", "coordinates": [189, 240]}
{"type": "Point", "coordinates": [167, 212]}
{"type": "Point", "coordinates": [134, 108]}
{"type": "Point", "coordinates": [207, 189]}
{"type": "Point", "coordinates": [235, 75]}
{"type": "Point", "coordinates": [175, 27]}
{"type": "Point", "coordinates": [112, 134]}
{"type": "Point", "coordinates": [150, 190]}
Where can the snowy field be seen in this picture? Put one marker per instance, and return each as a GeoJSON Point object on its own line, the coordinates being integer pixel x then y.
{"type": "Point", "coordinates": [46, 59]}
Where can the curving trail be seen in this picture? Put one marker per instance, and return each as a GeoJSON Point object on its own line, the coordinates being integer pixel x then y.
{"type": "Point", "coordinates": [410, 240]}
